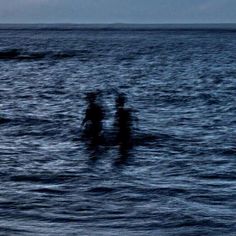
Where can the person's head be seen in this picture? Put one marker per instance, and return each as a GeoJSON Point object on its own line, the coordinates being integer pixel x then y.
{"type": "Point", "coordinates": [120, 100]}
{"type": "Point", "coordinates": [91, 97]}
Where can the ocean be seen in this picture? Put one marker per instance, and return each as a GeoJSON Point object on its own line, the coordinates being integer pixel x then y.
{"type": "Point", "coordinates": [178, 177]}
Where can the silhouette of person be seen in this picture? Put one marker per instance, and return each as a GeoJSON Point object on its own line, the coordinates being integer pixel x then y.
{"type": "Point", "coordinates": [123, 123]}
{"type": "Point", "coordinates": [93, 118]}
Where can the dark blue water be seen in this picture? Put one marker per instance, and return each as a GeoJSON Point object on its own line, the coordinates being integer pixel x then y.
{"type": "Point", "coordinates": [179, 178]}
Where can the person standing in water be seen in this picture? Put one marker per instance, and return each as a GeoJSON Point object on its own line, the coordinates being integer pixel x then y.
{"type": "Point", "coordinates": [123, 123]}
{"type": "Point", "coordinates": [94, 116]}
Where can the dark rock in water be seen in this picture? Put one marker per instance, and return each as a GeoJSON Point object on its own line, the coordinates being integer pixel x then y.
{"type": "Point", "coordinates": [10, 54]}
{"type": "Point", "coordinates": [16, 54]}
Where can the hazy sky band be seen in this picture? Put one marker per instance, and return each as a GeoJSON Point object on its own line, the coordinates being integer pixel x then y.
{"type": "Point", "coordinates": [117, 11]}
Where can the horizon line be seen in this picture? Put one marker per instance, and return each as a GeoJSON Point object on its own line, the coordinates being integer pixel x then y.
{"type": "Point", "coordinates": [118, 26]}
{"type": "Point", "coordinates": [117, 23]}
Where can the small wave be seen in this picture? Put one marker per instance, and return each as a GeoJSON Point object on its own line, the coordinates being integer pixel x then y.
{"type": "Point", "coordinates": [30, 121]}
{"type": "Point", "coordinates": [214, 176]}
{"type": "Point", "coordinates": [7, 204]}
{"type": "Point", "coordinates": [48, 191]}
{"type": "Point", "coordinates": [4, 120]}
{"type": "Point", "coordinates": [28, 178]}
{"type": "Point", "coordinates": [102, 190]}
{"type": "Point", "coordinates": [10, 231]}
{"type": "Point", "coordinates": [43, 179]}
{"type": "Point", "coordinates": [32, 56]}
{"type": "Point", "coordinates": [63, 55]}
{"type": "Point", "coordinates": [230, 151]}
{"type": "Point", "coordinates": [34, 120]}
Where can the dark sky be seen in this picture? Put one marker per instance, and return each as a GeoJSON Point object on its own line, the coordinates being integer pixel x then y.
{"type": "Point", "coordinates": [117, 11]}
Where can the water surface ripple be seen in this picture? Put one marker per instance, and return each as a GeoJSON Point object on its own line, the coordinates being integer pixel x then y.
{"type": "Point", "coordinates": [181, 87]}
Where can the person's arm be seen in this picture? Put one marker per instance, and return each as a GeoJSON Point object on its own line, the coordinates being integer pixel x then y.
{"type": "Point", "coordinates": [85, 119]}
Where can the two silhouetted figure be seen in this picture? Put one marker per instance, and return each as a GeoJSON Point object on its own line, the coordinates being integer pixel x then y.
{"type": "Point", "coordinates": [94, 116]}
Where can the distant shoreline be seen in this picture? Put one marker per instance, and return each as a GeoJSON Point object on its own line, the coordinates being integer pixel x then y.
{"type": "Point", "coordinates": [118, 26]}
